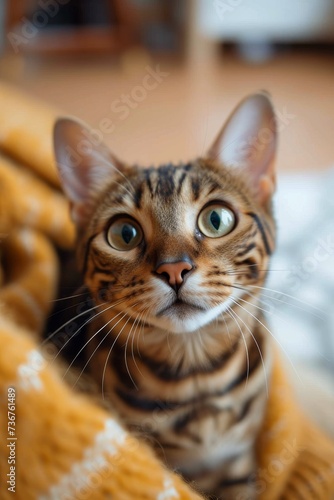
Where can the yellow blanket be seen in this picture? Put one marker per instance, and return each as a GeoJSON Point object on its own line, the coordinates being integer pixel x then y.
{"type": "Point", "coordinates": [55, 443]}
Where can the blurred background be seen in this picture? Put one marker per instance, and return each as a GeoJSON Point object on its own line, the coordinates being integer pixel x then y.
{"type": "Point", "coordinates": [159, 77]}
{"type": "Point", "coordinates": [83, 55]}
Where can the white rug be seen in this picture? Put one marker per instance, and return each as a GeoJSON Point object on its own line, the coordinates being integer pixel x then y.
{"type": "Point", "coordinates": [302, 321]}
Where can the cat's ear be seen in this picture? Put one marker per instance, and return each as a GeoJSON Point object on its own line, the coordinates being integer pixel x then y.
{"type": "Point", "coordinates": [85, 165]}
{"type": "Point", "coordinates": [248, 141]}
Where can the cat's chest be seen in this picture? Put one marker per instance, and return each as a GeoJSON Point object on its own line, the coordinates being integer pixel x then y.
{"type": "Point", "coordinates": [195, 423]}
{"type": "Point", "coordinates": [200, 422]}
{"type": "Point", "coordinates": [205, 430]}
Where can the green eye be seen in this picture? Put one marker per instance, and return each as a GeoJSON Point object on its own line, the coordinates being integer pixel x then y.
{"type": "Point", "coordinates": [124, 234]}
{"type": "Point", "coordinates": [216, 220]}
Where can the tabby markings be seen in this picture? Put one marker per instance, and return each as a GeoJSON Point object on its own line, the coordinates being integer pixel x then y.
{"type": "Point", "coordinates": [167, 373]}
{"type": "Point", "coordinates": [259, 224]}
{"type": "Point", "coordinates": [149, 405]}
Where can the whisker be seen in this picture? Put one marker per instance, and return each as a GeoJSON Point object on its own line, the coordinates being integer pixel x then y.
{"type": "Point", "coordinates": [266, 328]}
{"type": "Point", "coordinates": [110, 350]}
{"type": "Point", "coordinates": [132, 194]}
{"type": "Point", "coordinates": [240, 273]}
{"type": "Point", "coordinates": [142, 328]}
{"type": "Point", "coordinates": [295, 306]}
{"type": "Point", "coordinates": [227, 328]}
{"type": "Point", "coordinates": [135, 325]}
{"type": "Point", "coordinates": [100, 343]}
{"type": "Point", "coordinates": [105, 365]}
{"type": "Point", "coordinates": [244, 288]}
{"type": "Point", "coordinates": [69, 297]}
{"type": "Point", "coordinates": [125, 357]}
{"type": "Point", "coordinates": [85, 323]}
{"type": "Point", "coordinates": [138, 320]}
{"type": "Point", "coordinates": [257, 345]}
{"type": "Point", "coordinates": [254, 305]}
{"type": "Point", "coordinates": [151, 440]}
{"type": "Point", "coordinates": [289, 296]}
{"type": "Point", "coordinates": [67, 308]}
{"type": "Point", "coordinates": [143, 325]}
{"type": "Point", "coordinates": [230, 311]}
{"type": "Point", "coordinates": [70, 321]}
{"type": "Point", "coordinates": [279, 317]}
{"type": "Point", "coordinates": [103, 160]}
{"type": "Point", "coordinates": [88, 341]}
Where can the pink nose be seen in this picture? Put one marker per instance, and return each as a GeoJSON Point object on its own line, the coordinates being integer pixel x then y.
{"type": "Point", "coordinates": [175, 271]}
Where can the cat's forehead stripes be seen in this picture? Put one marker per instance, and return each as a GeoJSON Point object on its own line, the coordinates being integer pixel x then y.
{"type": "Point", "coordinates": [166, 180]}
{"type": "Point", "coordinates": [171, 181]}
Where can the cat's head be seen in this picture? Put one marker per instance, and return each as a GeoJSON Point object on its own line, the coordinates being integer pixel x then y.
{"type": "Point", "coordinates": [174, 246]}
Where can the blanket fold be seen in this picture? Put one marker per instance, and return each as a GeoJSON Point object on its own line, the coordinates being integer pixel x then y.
{"type": "Point", "coordinates": [63, 445]}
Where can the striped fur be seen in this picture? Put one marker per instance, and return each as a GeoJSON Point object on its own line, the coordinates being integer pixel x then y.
{"type": "Point", "coordinates": [188, 369]}
{"type": "Point", "coordinates": [198, 395]}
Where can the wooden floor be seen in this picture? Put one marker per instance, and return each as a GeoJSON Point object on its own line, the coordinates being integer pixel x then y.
{"type": "Point", "coordinates": [178, 118]}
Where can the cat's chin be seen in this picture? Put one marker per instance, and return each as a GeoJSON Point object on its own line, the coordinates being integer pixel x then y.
{"type": "Point", "coordinates": [182, 318]}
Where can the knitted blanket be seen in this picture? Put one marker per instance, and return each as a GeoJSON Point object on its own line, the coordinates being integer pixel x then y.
{"type": "Point", "coordinates": [54, 442]}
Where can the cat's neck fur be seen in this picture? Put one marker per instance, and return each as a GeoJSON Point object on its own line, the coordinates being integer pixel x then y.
{"type": "Point", "coordinates": [242, 324]}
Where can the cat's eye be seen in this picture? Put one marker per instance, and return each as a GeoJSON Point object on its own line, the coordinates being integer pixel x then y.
{"type": "Point", "coordinates": [124, 234]}
{"type": "Point", "coordinates": [216, 220]}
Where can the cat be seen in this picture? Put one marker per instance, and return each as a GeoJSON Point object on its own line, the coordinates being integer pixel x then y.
{"type": "Point", "coordinates": [174, 258]}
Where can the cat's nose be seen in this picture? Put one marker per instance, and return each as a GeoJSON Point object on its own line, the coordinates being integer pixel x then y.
{"type": "Point", "coordinates": [174, 272]}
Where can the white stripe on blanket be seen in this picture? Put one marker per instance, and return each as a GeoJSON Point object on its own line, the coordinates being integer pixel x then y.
{"type": "Point", "coordinates": [28, 373]}
{"type": "Point", "coordinates": [169, 492]}
{"type": "Point", "coordinates": [89, 473]}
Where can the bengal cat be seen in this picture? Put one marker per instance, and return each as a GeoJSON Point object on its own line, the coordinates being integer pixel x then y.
{"type": "Point", "coordinates": [173, 258]}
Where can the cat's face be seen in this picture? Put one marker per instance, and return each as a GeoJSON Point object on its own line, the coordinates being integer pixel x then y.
{"type": "Point", "coordinates": [173, 246]}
